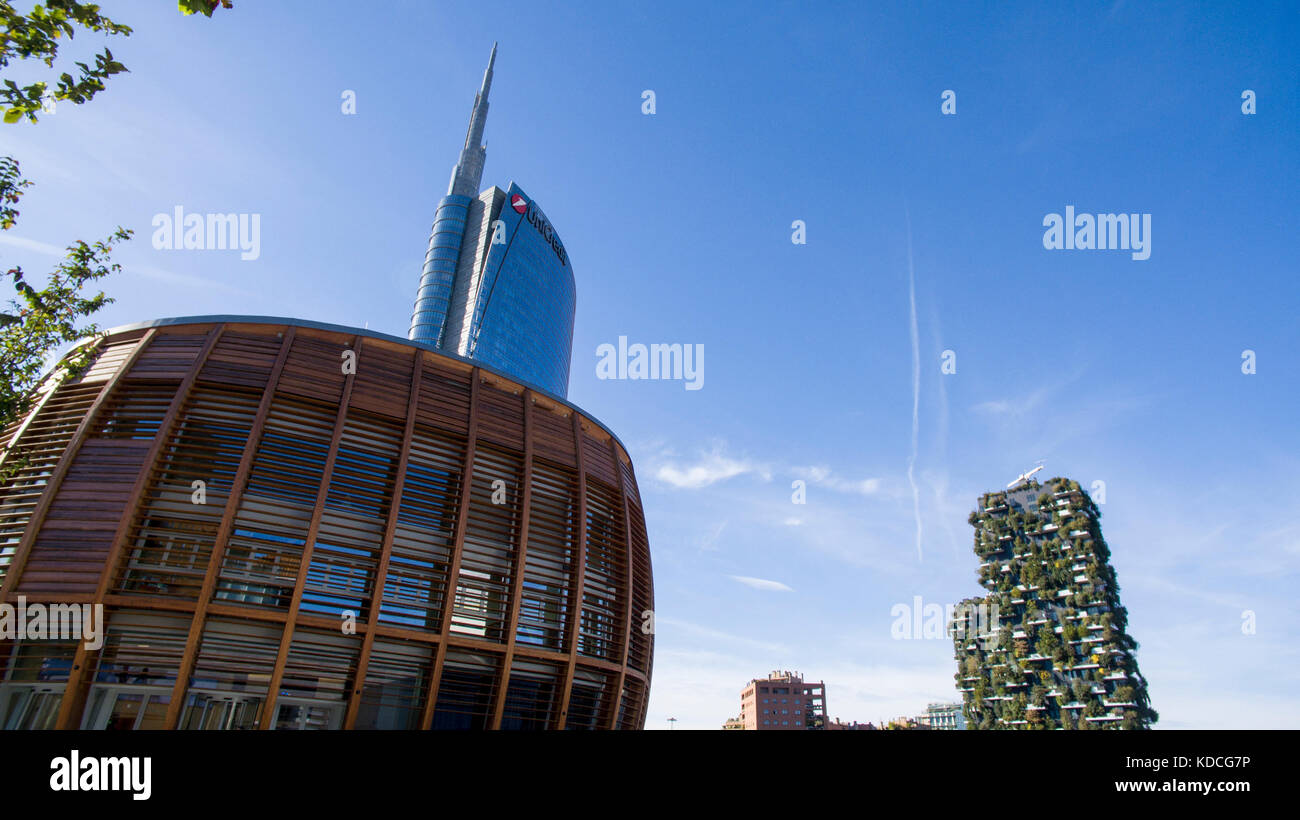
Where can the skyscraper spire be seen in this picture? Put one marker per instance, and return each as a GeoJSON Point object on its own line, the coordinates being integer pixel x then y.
{"type": "Point", "coordinates": [468, 173]}
{"type": "Point", "coordinates": [497, 284]}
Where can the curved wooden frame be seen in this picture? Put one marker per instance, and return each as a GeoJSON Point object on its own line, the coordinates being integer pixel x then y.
{"type": "Point", "coordinates": [405, 386]}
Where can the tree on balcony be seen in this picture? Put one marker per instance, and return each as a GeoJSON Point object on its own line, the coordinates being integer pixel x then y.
{"type": "Point", "coordinates": [1014, 709]}
{"type": "Point", "coordinates": [1080, 689]}
{"type": "Point", "coordinates": [1048, 642]}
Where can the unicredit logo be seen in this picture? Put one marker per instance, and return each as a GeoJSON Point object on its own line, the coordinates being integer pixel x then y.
{"type": "Point", "coordinates": [544, 228]}
{"type": "Point", "coordinates": [519, 203]}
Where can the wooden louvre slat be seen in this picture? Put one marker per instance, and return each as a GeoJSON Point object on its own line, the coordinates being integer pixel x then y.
{"type": "Point", "coordinates": [320, 665]}
{"type": "Point", "coordinates": [489, 545]}
{"type": "Point", "coordinates": [416, 588]}
{"type": "Point", "coordinates": [552, 436]}
{"type": "Point", "coordinates": [40, 445]}
{"type": "Point", "coordinates": [532, 699]}
{"type": "Point", "coordinates": [591, 699]}
{"type": "Point", "coordinates": [444, 396]}
{"type": "Point", "coordinates": [345, 558]}
{"type": "Point", "coordinates": [500, 419]}
{"type": "Point", "coordinates": [548, 568]}
{"type": "Point", "coordinates": [314, 369]}
{"type": "Point", "coordinates": [596, 457]}
{"type": "Point", "coordinates": [383, 379]}
{"type": "Point", "coordinates": [69, 553]}
{"type": "Point", "coordinates": [641, 642]}
{"type": "Point", "coordinates": [603, 607]}
{"type": "Point", "coordinates": [396, 685]}
{"type": "Point", "coordinates": [171, 354]}
{"type": "Point", "coordinates": [243, 357]}
{"type": "Point", "coordinates": [172, 536]}
{"type": "Point", "coordinates": [466, 690]}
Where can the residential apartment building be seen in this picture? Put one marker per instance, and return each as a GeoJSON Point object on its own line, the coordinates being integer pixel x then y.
{"type": "Point", "coordinates": [783, 700]}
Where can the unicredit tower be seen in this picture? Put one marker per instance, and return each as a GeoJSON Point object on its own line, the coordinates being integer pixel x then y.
{"type": "Point", "coordinates": [497, 284]}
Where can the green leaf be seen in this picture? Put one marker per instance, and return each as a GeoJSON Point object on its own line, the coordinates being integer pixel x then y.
{"type": "Point", "coordinates": [13, 115]}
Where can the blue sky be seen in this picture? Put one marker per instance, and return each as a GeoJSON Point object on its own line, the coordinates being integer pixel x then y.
{"type": "Point", "coordinates": [678, 225]}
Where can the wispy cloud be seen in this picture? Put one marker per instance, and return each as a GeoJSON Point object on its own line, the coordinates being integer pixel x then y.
{"type": "Point", "coordinates": [185, 279]}
{"type": "Point", "coordinates": [43, 248]}
{"type": "Point", "coordinates": [823, 477]}
{"type": "Point", "coordinates": [861, 534]}
{"type": "Point", "coordinates": [1038, 423]}
{"type": "Point", "coordinates": [146, 271]}
{"type": "Point", "coordinates": [944, 506]}
{"type": "Point", "coordinates": [680, 631]}
{"type": "Point", "coordinates": [1229, 601]}
{"type": "Point", "coordinates": [1014, 408]}
{"type": "Point", "coordinates": [709, 469]}
{"type": "Point", "coordinates": [710, 541]}
{"type": "Point", "coordinates": [760, 583]}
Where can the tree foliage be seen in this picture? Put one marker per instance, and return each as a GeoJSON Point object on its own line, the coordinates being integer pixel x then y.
{"type": "Point", "coordinates": [204, 7]}
{"type": "Point", "coordinates": [36, 35]}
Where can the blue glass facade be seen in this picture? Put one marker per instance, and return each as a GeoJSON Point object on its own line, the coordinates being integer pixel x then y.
{"type": "Point", "coordinates": [439, 273]}
{"type": "Point", "coordinates": [524, 309]}
{"type": "Point", "coordinates": [498, 287]}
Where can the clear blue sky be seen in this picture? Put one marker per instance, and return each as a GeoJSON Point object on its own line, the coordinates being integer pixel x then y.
{"type": "Point", "coordinates": [679, 229]}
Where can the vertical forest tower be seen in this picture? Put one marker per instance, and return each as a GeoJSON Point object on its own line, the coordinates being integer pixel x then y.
{"type": "Point", "coordinates": [1058, 654]}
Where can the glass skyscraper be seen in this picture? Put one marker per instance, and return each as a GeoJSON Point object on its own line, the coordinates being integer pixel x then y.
{"type": "Point", "coordinates": [497, 285]}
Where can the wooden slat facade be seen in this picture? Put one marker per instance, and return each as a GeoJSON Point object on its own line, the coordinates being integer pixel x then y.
{"type": "Point", "coordinates": [419, 543]}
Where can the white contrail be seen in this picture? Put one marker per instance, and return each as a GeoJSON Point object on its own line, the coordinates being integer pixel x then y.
{"type": "Point", "coordinates": [916, 386]}
{"type": "Point", "coordinates": [941, 485]}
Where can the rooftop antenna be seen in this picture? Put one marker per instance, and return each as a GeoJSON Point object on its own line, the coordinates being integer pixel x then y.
{"type": "Point", "coordinates": [671, 722]}
{"type": "Point", "coordinates": [1024, 477]}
